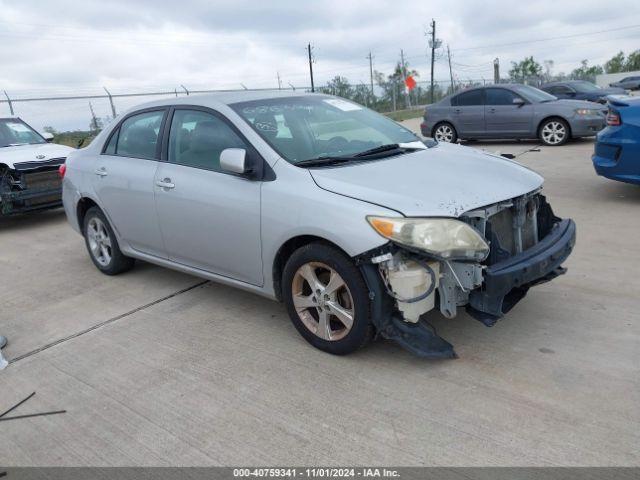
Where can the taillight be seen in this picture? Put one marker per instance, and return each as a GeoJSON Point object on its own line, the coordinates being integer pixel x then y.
{"type": "Point", "coordinates": [62, 169]}
{"type": "Point", "coordinates": [613, 118]}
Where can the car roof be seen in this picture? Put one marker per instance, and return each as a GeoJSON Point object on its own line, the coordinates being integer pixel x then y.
{"type": "Point", "coordinates": [224, 98]}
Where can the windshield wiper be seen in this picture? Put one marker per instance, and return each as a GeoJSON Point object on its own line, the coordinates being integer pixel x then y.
{"type": "Point", "coordinates": [322, 161]}
{"type": "Point", "coordinates": [381, 149]}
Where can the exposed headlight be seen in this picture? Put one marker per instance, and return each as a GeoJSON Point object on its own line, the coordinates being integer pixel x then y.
{"type": "Point", "coordinates": [586, 111]}
{"type": "Point", "coordinates": [444, 238]}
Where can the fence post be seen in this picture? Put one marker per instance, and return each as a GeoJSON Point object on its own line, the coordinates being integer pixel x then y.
{"type": "Point", "coordinates": [113, 107]}
{"type": "Point", "coordinates": [10, 104]}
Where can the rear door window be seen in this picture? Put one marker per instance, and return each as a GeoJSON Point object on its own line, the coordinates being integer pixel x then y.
{"type": "Point", "coordinates": [138, 136]}
{"type": "Point", "coordinates": [468, 99]}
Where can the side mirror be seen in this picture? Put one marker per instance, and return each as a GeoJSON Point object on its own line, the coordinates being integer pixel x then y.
{"type": "Point", "coordinates": [48, 137]}
{"type": "Point", "coordinates": [234, 160]}
{"type": "Point", "coordinates": [518, 101]}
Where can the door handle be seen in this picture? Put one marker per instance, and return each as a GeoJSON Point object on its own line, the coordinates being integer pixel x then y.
{"type": "Point", "coordinates": [456, 110]}
{"type": "Point", "coordinates": [492, 110]}
{"type": "Point", "coordinates": [101, 172]}
{"type": "Point", "coordinates": [165, 183]}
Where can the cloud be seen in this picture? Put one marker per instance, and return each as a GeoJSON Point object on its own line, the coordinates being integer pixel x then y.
{"type": "Point", "coordinates": [64, 47]}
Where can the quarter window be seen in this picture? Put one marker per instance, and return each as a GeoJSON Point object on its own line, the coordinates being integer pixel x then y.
{"type": "Point", "coordinates": [198, 138]}
{"type": "Point", "coordinates": [138, 135]}
{"type": "Point", "coordinates": [500, 96]}
{"type": "Point", "coordinates": [468, 99]}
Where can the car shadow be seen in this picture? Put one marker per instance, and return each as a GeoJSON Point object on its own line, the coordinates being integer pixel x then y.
{"type": "Point", "coordinates": [30, 219]}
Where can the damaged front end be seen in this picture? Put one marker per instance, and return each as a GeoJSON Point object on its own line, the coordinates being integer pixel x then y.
{"type": "Point", "coordinates": [526, 245]}
{"type": "Point", "coordinates": [30, 186]}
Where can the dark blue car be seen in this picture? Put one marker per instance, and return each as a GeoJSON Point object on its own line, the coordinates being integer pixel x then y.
{"type": "Point", "coordinates": [617, 150]}
{"type": "Point", "coordinates": [581, 90]}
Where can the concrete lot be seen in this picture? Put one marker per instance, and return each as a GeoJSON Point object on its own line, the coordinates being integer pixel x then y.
{"type": "Point", "coordinates": [183, 373]}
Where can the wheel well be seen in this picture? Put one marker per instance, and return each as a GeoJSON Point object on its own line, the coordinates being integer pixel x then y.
{"type": "Point", "coordinates": [433, 130]}
{"type": "Point", "coordinates": [286, 250]}
{"type": "Point", "coordinates": [83, 206]}
{"type": "Point", "coordinates": [554, 117]}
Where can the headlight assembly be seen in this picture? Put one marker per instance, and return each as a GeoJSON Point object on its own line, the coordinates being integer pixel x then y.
{"type": "Point", "coordinates": [444, 238]}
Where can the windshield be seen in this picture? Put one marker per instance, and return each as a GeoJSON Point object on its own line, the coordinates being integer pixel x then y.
{"type": "Point", "coordinates": [534, 95]}
{"type": "Point", "coordinates": [317, 126]}
{"type": "Point", "coordinates": [585, 87]}
{"type": "Point", "coordinates": [16, 132]}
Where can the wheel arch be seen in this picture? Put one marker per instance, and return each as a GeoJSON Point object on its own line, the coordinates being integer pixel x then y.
{"type": "Point", "coordinates": [286, 250]}
{"type": "Point", "coordinates": [553, 117]}
{"type": "Point", "coordinates": [82, 207]}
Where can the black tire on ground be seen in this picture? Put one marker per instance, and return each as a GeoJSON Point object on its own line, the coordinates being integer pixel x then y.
{"type": "Point", "coordinates": [118, 262]}
{"type": "Point", "coordinates": [555, 124]}
{"type": "Point", "coordinates": [446, 131]}
{"type": "Point", "coordinates": [362, 330]}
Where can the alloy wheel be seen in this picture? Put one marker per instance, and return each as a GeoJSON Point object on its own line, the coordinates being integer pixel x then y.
{"type": "Point", "coordinates": [99, 241]}
{"type": "Point", "coordinates": [444, 133]}
{"type": "Point", "coordinates": [323, 301]}
{"type": "Point", "coordinates": [554, 133]}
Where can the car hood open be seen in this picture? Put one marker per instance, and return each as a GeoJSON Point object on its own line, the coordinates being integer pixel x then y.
{"type": "Point", "coordinates": [40, 152]}
{"type": "Point", "coordinates": [442, 181]}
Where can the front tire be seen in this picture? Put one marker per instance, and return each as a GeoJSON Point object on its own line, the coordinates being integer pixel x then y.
{"type": "Point", "coordinates": [327, 299]}
{"type": "Point", "coordinates": [445, 132]}
{"type": "Point", "coordinates": [102, 244]}
{"type": "Point", "coordinates": [554, 132]}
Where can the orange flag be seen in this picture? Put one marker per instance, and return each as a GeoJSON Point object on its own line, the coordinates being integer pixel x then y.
{"type": "Point", "coordinates": [410, 83]}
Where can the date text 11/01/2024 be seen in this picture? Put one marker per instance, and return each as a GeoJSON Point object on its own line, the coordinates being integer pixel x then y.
{"type": "Point", "coordinates": [316, 472]}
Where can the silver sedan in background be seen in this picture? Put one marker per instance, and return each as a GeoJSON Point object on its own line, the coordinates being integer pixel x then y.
{"type": "Point", "coordinates": [511, 111]}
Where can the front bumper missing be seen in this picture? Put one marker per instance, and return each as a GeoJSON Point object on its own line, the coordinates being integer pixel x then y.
{"type": "Point", "coordinates": [504, 283]}
{"type": "Point", "coordinates": [507, 282]}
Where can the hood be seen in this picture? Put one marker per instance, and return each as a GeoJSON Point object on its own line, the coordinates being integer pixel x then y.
{"type": "Point", "coordinates": [442, 181]}
{"type": "Point", "coordinates": [575, 103]}
{"type": "Point", "coordinates": [611, 91]}
{"type": "Point", "coordinates": [40, 152]}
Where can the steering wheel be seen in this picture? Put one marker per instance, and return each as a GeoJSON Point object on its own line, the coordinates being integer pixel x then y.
{"type": "Point", "coordinates": [335, 144]}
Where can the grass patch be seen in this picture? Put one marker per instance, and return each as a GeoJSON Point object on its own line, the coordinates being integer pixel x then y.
{"type": "Point", "coordinates": [401, 115]}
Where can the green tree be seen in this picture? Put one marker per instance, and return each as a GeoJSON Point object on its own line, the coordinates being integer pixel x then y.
{"type": "Point", "coordinates": [633, 61]}
{"type": "Point", "coordinates": [586, 72]}
{"type": "Point", "coordinates": [50, 130]}
{"type": "Point", "coordinates": [615, 64]}
{"type": "Point", "coordinates": [525, 69]}
{"type": "Point", "coordinates": [338, 86]}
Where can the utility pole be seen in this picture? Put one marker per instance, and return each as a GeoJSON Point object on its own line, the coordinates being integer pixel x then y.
{"type": "Point", "coordinates": [496, 71]}
{"type": "Point", "coordinates": [371, 70]}
{"type": "Point", "coordinates": [453, 87]}
{"type": "Point", "coordinates": [404, 80]}
{"type": "Point", "coordinates": [311, 67]}
{"type": "Point", "coordinates": [94, 119]}
{"type": "Point", "coordinates": [113, 107]}
{"type": "Point", "coordinates": [279, 81]}
{"type": "Point", "coordinates": [10, 104]}
{"type": "Point", "coordinates": [433, 52]}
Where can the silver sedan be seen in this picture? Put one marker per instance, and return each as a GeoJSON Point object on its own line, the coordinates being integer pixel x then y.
{"type": "Point", "coordinates": [350, 219]}
{"type": "Point", "coordinates": [511, 112]}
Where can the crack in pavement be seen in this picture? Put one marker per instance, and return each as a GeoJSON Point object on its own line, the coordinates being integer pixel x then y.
{"type": "Point", "coordinates": [106, 322]}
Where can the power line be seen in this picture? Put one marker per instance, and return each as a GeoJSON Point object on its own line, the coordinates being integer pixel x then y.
{"type": "Point", "coordinates": [560, 37]}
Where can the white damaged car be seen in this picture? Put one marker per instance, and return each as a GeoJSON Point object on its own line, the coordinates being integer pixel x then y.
{"type": "Point", "coordinates": [29, 167]}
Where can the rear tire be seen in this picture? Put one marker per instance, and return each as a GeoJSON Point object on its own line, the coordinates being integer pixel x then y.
{"type": "Point", "coordinates": [102, 244]}
{"type": "Point", "coordinates": [554, 132]}
{"type": "Point", "coordinates": [327, 299]}
{"type": "Point", "coordinates": [445, 132]}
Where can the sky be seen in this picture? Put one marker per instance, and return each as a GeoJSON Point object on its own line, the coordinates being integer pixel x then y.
{"type": "Point", "coordinates": [70, 47]}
